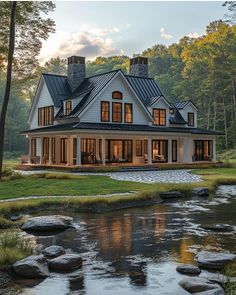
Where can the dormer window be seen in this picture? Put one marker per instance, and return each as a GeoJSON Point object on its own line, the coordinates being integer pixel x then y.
{"type": "Point", "coordinates": [68, 107]}
{"type": "Point", "coordinates": [191, 119]}
{"type": "Point", "coordinates": [117, 95]}
{"type": "Point", "coordinates": [159, 116]}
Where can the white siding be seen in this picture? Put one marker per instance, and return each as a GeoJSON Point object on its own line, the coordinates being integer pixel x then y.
{"type": "Point", "coordinates": [162, 104]}
{"type": "Point", "coordinates": [189, 109]}
{"type": "Point", "coordinates": [43, 100]}
{"type": "Point", "coordinates": [92, 114]}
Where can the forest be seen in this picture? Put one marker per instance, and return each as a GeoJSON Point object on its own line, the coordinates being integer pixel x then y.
{"type": "Point", "coordinates": [201, 69]}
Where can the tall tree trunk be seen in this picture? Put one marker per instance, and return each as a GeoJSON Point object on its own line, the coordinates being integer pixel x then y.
{"type": "Point", "coordinates": [225, 125]}
{"type": "Point", "coordinates": [8, 81]}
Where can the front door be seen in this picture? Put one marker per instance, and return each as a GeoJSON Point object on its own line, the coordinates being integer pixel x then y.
{"type": "Point", "coordinates": [64, 150]}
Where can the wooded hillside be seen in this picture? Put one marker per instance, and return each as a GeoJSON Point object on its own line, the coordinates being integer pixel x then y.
{"type": "Point", "coordinates": [201, 69]}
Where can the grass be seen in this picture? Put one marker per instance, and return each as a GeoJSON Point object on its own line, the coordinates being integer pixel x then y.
{"type": "Point", "coordinates": [229, 285]}
{"type": "Point", "coordinates": [13, 248]}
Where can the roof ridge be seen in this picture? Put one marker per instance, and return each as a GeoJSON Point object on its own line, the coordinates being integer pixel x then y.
{"type": "Point", "coordinates": [103, 73]}
{"type": "Point", "coordinates": [51, 74]}
{"type": "Point", "coordinates": [133, 76]}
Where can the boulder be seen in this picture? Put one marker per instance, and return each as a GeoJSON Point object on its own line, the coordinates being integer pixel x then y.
{"type": "Point", "coordinates": [218, 227]}
{"type": "Point", "coordinates": [188, 269]}
{"type": "Point", "coordinates": [76, 282]}
{"type": "Point", "coordinates": [66, 262]}
{"type": "Point", "coordinates": [218, 291]}
{"type": "Point", "coordinates": [214, 260]}
{"type": "Point", "coordinates": [171, 195]}
{"type": "Point", "coordinates": [53, 251]}
{"type": "Point", "coordinates": [200, 191]}
{"type": "Point", "coordinates": [47, 223]}
{"type": "Point", "coordinates": [35, 266]}
{"type": "Point", "coordinates": [198, 285]}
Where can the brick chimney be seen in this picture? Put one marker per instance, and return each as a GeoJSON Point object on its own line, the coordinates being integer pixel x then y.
{"type": "Point", "coordinates": [139, 66]}
{"type": "Point", "coordinates": [76, 71]}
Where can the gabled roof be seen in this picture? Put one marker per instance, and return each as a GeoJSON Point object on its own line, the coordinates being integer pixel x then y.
{"type": "Point", "coordinates": [58, 87]}
{"type": "Point", "coordinates": [182, 104]}
{"type": "Point", "coordinates": [145, 88]}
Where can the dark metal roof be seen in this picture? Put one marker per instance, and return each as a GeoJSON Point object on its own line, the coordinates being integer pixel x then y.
{"type": "Point", "coordinates": [120, 127]}
{"type": "Point", "coordinates": [177, 117]}
{"type": "Point", "coordinates": [58, 88]}
{"type": "Point", "coordinates": [146, 88]}
{"type": "Point", "coordinates": [182, 104]}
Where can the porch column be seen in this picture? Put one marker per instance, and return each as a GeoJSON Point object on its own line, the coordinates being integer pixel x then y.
{"type": "Point", "coordinates": [68, 152]}
{"type": "Point", "coordinates": [149, 151]}
{"type": "Point", "coordinates": [78, 151]}
{"type": "Point", "coordinates": [103, 151]}
{"type": "Point", "coordinates": [169, 150]}
{"type": "Point", "coordinates": [41, 151]}
{"type": "Point", "coordinates": [29, 139]}
{"type": "Point", "coordinates": [214, 150]}
{"type": "Point", "coordinates": [50, 151]}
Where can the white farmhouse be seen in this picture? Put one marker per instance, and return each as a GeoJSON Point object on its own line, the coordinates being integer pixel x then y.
{"type": "Point", "coordinates": [113, 118]}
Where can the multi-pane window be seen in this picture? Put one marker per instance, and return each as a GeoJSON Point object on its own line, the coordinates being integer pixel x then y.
{"type": "Point", "coordinates": [117, 95]}
{"type": "Point", "coordinates": [105, 111]}
{"type": "Point", "coordinates": [45, 116]}
{"type": "Point", "coordinates": [117, 112]}
{"type": "Point", "coordinates": [68, 107]}
{"type": "Point", "coordinates": [139, 148]}
{"type": "Point", "coordinates": [128, 113]}
{"type": "Point", "coordinates": [191, 119]}
{"type": "Point", "coordinates": [159, 116]}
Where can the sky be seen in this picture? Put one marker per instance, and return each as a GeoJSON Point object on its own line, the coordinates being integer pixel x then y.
{"type": "Point", "coordinates": [94, 29]}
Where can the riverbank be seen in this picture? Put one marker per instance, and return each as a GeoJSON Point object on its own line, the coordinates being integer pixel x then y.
{"type": "Point", "coordinates": [93, 193]}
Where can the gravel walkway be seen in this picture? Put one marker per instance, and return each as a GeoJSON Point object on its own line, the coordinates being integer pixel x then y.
{"type": "Point", "coordinates": [164, 176]}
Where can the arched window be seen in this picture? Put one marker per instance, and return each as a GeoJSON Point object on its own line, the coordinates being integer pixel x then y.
{"type": "Point", "coordinates": [117, 95]}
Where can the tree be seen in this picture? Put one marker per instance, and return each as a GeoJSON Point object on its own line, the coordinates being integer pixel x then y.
{"type": "Point", "coordinates": [8, 80]}
{"type": "Point", "coordinates": [21, 31]}
{"type": "Point", "coordinates": [231, 16]}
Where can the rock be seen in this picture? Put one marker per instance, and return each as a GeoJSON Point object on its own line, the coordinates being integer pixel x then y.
{"type": "Point", "coordinates": [66, 262]}
{"type": "Point", "coordinates": [15, 217]}
{"type": "Point", "coordinates": [76, 282]}
{"type": "Point", "coordinates": [218, 291]}
{"type": "Point", "coordinates": [34, 266]}
{"type": "Point", "coordinates": [171, 195]}
{"type": "Point", "coordinates": [188, 269]}
{"type": "Point", "coordinates": [214, 260]}
{"type": "Point", "coordinates": [200, 191]}
{"type": "Point", "coordinates": [218, 227]}
{"type": "Point", "coordinates": [47, 223]}
{"type": "Point", "coordinates": [4, 279]}
{"type": "Point", "coordinates": [198, 285]}
{"type": "Point", "coordinates": [53, 251]}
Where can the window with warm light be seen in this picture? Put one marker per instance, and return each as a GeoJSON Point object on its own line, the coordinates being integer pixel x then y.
{"type": "Point", "coordinates": [105, 111]}
{"type": "Point", "coordinates": [159, 116]}
{"type": "Point", "coordinates": [191, 119]}
{"type": "Point", "coordinates": [117, 112]}
{"type": "Point", "coordinates": [128, 113]}
{"type": "Point", "coordinates": [45, 116]}
{"type": "Point", "coordinates": [68, 107]}
{"type": "Point", "coordinates": [117, 95]}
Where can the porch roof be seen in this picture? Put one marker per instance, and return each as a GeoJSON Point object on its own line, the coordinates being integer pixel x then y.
{"type": "Point", "coordinates": [120, 127]}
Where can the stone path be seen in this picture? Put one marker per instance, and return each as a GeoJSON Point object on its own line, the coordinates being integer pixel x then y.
{"type": "Point", "coordinates": [164, 176]}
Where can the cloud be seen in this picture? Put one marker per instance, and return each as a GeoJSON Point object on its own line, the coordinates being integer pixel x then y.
{"type": "Point", "coordinates": [88, 41]}
{"type": "Point", "coordinates": [193, 35]}
{"type": "Point", "coordinates": [164, 34]}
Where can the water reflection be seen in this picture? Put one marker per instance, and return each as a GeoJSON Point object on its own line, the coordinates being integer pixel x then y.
{"type": "Point", "coordinates": [136, 250]}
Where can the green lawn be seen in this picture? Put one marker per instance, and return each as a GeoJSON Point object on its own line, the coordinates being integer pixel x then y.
{"type": "Point", "coordinates": [76, 186]}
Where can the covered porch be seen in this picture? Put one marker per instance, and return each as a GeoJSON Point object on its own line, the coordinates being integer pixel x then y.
{"type": "Point", "coordinates": [95, 149]}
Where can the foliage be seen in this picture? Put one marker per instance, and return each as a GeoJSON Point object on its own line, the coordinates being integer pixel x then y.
{"type": "Point", "coordinates": [230, 284]}
{"type": "Point", "coordinates": [13, 248]}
